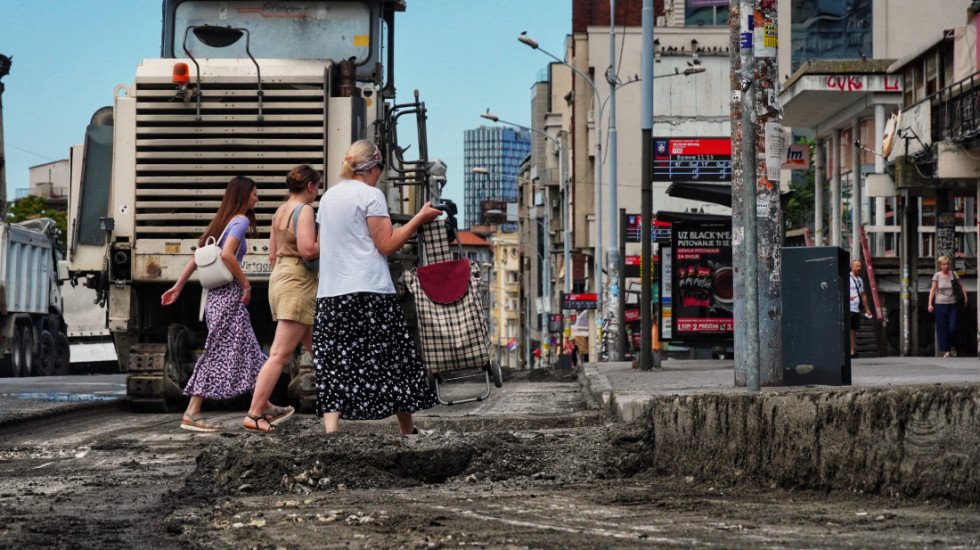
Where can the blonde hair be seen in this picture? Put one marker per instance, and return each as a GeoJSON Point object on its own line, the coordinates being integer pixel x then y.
{"type": "Point", "coordinates": [942, 260]}
{"type": "Point", "coordinates": [361, 153]}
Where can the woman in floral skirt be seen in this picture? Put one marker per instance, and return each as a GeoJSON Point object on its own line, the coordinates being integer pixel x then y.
{"type": "Point", "coordinates": [366, 363]}
{"type": "Point", "coordinates": [232, 356]}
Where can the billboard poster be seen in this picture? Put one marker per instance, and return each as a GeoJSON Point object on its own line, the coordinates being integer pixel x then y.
{"type": "Point", "coordinates": [702, 281]}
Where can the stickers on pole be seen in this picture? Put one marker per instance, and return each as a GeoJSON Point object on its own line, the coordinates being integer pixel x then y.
{"type": "Point", "coordinates": [747, 22]}
{"type": "Point", "coordinates": [763, 205]}
{"type": "Point", "coordinates": [776, 145]}
{"type": "Point", "coordinates": [766, 38]}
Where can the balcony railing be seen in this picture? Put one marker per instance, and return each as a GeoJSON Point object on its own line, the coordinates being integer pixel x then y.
{"type": "Point", "coordinates": [955, 111]}
{"type": "Point", "coordinates": [43, 190]}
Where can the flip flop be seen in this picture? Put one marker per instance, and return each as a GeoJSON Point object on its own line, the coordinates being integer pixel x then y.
{"type": "Point", "coordinates": [197, 423]}
{"type": "Point", "coordinates": [276, 414]}
{"type": "Point", "coordinates": [257, 428]}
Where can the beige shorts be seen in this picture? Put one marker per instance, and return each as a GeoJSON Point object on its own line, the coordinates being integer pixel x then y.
{"type": "Point", "coordinates": [292, 291]}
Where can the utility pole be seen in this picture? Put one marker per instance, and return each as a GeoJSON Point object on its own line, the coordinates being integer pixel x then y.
{"type": "Point", "coordinates": [756, 210]}
{"type": "Point", "coordinates": [615, 344]}
{"type": "Point", "coordinates": [4, 71]}
{"type": "Point", "coordinates": [646, 188]}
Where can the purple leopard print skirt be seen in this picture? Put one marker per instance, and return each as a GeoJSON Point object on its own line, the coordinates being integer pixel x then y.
{"type": "Point", "coordinates": [365, 362]}
{"type": "Point", "coordinates": [232, 356]}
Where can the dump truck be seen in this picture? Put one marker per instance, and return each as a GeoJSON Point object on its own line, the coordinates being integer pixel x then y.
{"type": "Point", "coordinates": [33, 334]}
{"type": "Point", "coordinates": [248, 88]}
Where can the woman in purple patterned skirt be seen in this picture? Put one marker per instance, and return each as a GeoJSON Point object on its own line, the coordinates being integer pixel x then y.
{"type": "Point", "coordinates": [232, 356]}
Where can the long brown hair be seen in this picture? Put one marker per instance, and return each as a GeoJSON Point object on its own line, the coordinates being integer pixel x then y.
{"type": "Point", "coordinates": [234, 203]}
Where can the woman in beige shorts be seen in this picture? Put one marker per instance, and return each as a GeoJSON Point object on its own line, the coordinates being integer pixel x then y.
{"type": "Point", "coordinates": [292, 291]}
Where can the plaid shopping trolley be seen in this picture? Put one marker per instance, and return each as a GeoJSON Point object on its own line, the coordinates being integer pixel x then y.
{"type": "Point", "coordinates": [453, 326]}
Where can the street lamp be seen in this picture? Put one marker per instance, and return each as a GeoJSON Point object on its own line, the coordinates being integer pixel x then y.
{"type": "Point", "coordinates": [533, 44]}
{"type": "Point", "coordinates": [567, 226]}
{"type": "Point", "coordinates": [4, 71]}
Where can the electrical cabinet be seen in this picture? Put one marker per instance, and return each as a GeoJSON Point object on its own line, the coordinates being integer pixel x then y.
{"type": "Point", "coordinates": [816, 316]}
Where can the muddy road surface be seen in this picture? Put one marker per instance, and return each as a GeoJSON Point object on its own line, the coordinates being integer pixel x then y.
{"type": "Point", "coordinates": [529, 468]}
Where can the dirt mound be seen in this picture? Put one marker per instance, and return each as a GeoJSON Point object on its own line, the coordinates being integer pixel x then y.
{"type": "Point", "coordinates": [309, 461]}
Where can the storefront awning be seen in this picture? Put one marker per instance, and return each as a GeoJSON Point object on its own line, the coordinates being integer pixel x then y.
{"type": "Point", "coordinates": [713, 193]}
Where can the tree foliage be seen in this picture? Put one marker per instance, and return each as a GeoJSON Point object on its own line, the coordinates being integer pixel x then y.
{"type": "Point", "coordinates": [32, 207]}
{"type": "Point", "coordinates": [800, 210]}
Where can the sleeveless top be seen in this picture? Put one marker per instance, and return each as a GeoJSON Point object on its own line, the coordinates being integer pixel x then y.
{"type": "Point", "coordinates": [285, 239]}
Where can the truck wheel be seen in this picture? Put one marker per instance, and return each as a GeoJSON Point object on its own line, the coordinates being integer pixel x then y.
{"type": "Point", "coordinates": [45, 354]}
{"type": "Point", "coordinates": [23, 358]}
{"type": "Point", "coordinates": [62, 354]}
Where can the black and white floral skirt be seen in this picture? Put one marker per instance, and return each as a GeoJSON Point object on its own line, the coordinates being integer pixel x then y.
{"type": "Point", "coordinates": [366, 364]}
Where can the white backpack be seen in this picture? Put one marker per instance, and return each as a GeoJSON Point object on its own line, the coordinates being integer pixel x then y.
{"type": "Point", "coordinates": [210, 269]}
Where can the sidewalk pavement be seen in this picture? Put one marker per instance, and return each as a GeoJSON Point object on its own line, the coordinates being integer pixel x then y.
{"type": "Point", "coordinates": [610, 385]}
{"type": "Point", "coordinates": [626, 390]}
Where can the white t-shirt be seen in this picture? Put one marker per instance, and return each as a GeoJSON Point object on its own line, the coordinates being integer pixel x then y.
{"type": "Point", "coordinates": [349, 260]}
{"type": "Point", "coordinates": [857, 288]}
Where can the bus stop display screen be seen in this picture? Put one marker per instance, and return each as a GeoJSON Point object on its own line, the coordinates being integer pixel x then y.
{"type": "Point", "coordinates": [706, 160]}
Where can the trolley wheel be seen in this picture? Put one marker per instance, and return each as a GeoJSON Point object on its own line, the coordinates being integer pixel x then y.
{"type": "Point", "coordinates": [496, 375]}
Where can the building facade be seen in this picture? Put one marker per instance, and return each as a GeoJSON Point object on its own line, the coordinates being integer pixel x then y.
{"type": "Point", "coordinates": [49, 180]}
{"type": "Point", "coordinates": [893, 181]}
{"type": "Point", "coordinates": [692, 98]}
{"type": "Point", "coordinates": [497, 152]}
{"type": "Point", "coordinates": [505, 288]}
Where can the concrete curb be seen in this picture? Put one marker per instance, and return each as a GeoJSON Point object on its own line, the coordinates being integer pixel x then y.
{"type": "Point", "coordinates": [907, 440]}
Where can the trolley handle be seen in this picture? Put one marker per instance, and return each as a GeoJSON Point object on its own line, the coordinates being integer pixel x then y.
{"type": "Point", "coordinates": [450, 209]}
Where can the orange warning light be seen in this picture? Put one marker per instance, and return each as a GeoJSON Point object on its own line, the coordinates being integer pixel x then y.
{"type": "Point", "coordinates": [181, 73]}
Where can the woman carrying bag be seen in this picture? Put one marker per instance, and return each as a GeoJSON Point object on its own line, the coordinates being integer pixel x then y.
{"type": "Point", "coordinates": [943, 298]}
{"type": "Point", "coordinates": [365, 362]}
{"type": "Point", "coordinates": [293, 244]}
{"type": "Point", "coordinates": [232, 356]}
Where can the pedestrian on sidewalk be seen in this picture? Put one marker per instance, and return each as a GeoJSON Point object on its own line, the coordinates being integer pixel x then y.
{"type": "Point", "coordinates": [365, 361]}
{"type": "Point", "coordinates": [232, 356]}
{"type": "Point", "coordinates": [858, 298]}
{"type": "Point", "coordinates": [292, 291]}
{"type": "Point", "coordinates": [942, 303]}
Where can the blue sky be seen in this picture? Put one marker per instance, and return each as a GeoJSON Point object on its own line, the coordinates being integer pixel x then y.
{"type": "Point", "coordinates": [462, 55]}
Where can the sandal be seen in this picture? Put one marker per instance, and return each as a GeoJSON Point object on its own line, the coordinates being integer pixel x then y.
{"type": "Point", "coordinates": [258, 427]}
{"type": "Point", "coordinates": [276, 414]}
{"type": "Point", "coordinates": [197, 423]}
